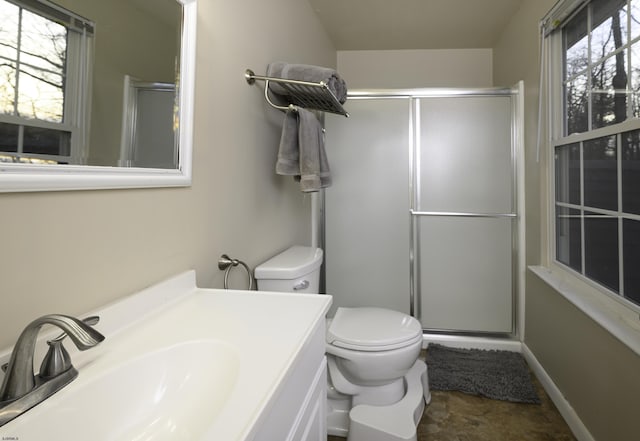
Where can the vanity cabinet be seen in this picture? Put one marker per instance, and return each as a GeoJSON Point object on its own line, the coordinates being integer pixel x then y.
{"type": "Point", "coordinates": [297, 411]}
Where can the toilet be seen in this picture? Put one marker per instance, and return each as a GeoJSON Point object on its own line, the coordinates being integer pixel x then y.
{"type": "Point", "coordinates": [377, 387]}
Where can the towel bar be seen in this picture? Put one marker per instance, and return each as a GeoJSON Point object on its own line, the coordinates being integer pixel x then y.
{"type": "Point", "coordinates": [316, 96]}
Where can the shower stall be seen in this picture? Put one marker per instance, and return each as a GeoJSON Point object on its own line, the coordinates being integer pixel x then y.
{"type": "Point", "coordinates": [424, 215]}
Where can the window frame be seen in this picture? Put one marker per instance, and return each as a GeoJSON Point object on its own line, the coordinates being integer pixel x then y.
{"type": "Point", "coordinates": [556, 124]}
{"type": "Point", "coordinates": [77, 95]}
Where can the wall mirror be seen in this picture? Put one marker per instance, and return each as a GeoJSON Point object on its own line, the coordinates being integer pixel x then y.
{"type": "Point", "coordinates": [96, 94]}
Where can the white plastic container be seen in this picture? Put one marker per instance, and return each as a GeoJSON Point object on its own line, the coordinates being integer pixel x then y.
{"type": "Point", "coordinates": [296, 269]}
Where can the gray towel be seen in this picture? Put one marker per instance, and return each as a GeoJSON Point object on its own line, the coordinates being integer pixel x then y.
{"type": "Point", "coordinates": [307, 72]}
{"type": "Point", "coordinates": [302, 152]}
{"type": "Point", "coordinates": [288, 163]}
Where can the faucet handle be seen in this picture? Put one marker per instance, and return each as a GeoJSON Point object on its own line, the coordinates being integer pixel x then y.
{"type": "Point", "coordinates": [57, 360]}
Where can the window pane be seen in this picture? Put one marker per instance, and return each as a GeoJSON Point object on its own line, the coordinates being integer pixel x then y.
{"type": "Point", "coordinates": [8, 55]}
{"type": "Point", "coordinates": [568, 174]}
{"type": "Point", "coordinates": [43, 42]}
{"type": "Point", "coordinates": [568, 237]}
{"type": "Point", "coordinates": [46, 141]}
{"type": "Point", "coordinates": [631, 172]}
{"type": "Point", "coordinates": [609, 27]}
{"type": "Point", "coordinates": [609, 91]}
{"type": "Point", "coordinates": [41, 95]}
{"type": "Point", "coordinates": [40, 45]}
{"type": "Point", "coordinates": [631, 256]}
{"type": "Point", "coordinates": [576, 45]}
{"type": "Point", "coordinates": [8, 30]}
{"type": "Point", "coordinates": [601, 249]}
{"type": "Point", "coordinates": [631, 232]}
{"type": "Point", "coordinates": [635, 19]}
{"type": "Point", "coordinates": [601, 173]}
{"type": "Point", "coordinates": [577, 104]}
{"type": "Point", "coordinates": [7, 88]}
{"type": "Point", "coordinates": [9, 137]}
{"type": "Point", "coordinates": [41, 77]}
{"type": "Point", "coordinates": [634, 83]}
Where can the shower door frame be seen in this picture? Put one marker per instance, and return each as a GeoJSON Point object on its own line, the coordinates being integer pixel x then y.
{"type": "Point", "coordinates": [515, 215]}
{"type": "Point", "coordinates": [516, 93]}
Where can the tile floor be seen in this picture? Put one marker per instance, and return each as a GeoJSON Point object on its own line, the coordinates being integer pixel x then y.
{"type": "Point", "coordinates": [454, 416]}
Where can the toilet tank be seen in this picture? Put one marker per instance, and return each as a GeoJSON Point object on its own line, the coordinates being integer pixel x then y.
{"type": "Point", "coordinates": [297, 269]}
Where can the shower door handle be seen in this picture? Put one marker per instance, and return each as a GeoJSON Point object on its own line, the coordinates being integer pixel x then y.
{"type": "Point", "coordinates": [461, 214]}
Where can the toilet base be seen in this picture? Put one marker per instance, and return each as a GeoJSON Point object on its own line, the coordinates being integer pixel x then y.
{"type": "Point", "coordinates": [394, 422]}
{"type": "Point", "coordinates": [381, 395]}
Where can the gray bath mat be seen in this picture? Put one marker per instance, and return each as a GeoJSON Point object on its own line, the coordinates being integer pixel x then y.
{"type": "Point", "coordinates": [501, 375]}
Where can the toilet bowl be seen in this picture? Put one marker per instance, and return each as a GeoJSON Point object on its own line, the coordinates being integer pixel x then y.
{"type": "Point", "coordinates": [370, 351]}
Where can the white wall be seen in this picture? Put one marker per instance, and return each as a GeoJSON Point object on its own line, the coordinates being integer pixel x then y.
{"type": "Point", "coordinates": [404, 69]}
{"type": "Point", "coordinates": [69, 252]}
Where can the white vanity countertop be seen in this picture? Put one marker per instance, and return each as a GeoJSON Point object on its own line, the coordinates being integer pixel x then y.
{"type": "Point", "coordinates": [227, 351]}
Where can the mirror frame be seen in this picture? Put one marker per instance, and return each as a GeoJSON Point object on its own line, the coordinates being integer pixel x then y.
{"type": "Point", "coordinates": [21, 177]}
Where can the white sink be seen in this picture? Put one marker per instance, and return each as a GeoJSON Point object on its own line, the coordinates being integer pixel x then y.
{"type": "Point", "coordinates": [162, 395]}
{"type": "Point", "coordinates": [199, 365]}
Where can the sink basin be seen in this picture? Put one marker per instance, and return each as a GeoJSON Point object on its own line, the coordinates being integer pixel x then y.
{"type": "Point", "coordinates": [171, 393]}
{"type": "Point", "coordinates": [178, 363]}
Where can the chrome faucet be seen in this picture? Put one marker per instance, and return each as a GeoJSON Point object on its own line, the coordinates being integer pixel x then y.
{"type": "Point", "coordinates": [21, 388]}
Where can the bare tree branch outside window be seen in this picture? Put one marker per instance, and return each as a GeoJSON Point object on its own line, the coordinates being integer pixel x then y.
{"type": "Point", "coordinates": [32, 64]}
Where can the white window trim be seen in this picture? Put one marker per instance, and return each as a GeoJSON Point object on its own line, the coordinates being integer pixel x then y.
{"type": "Point", "coordinates": [611, 311]}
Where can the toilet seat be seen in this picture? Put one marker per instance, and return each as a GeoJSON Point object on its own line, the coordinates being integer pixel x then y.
{"type": "Point", "coordinates": [372, 329]}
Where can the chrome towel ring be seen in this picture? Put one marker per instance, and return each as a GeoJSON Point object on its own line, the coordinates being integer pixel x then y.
{"type": "Point", "coordinates": [225, 263]}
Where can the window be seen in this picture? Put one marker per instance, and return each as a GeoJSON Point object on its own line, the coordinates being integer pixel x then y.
{"type": "Point", "coordinates": [44, 77]}
{"type": "Point", "coordinates": [596, 143]}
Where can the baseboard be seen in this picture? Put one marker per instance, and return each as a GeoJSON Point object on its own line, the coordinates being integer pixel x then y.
{"type": "Point", "coordinates": [570, 416]}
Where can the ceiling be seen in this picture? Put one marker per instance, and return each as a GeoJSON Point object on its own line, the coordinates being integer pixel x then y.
{"type": "Point", "coordinates": [414, 24]}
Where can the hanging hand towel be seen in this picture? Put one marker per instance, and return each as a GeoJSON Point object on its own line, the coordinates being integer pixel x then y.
{"type": "Point", "coordinates": [288, 163]}
{"type": "Point", "coordinates": [314, 166]}
{"type": "Point", "coordinates": [301, 153]}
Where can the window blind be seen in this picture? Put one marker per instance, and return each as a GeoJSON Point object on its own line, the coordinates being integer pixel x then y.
{"type": "Point", "coordinates": [559, 14]}
{"type": "Point", "coordinates": [58, 14]}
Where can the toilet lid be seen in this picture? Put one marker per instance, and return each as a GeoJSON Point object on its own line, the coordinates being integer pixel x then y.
{"type": "Point", "coordinates": [370, 329]}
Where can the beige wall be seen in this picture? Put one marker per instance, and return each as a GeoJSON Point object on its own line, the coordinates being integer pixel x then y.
{"type": "Point", "coordinates": [398, 69]}
{"type": "Point", "coordinates": [596, 373]}
{"type": "Point", "coordinates": [69, 252]}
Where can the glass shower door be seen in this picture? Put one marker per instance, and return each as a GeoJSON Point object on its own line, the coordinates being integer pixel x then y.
{"type": "Point", "coordinates": [367, 221]}
{"type": "Point", "coordinates": [464, 213]}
